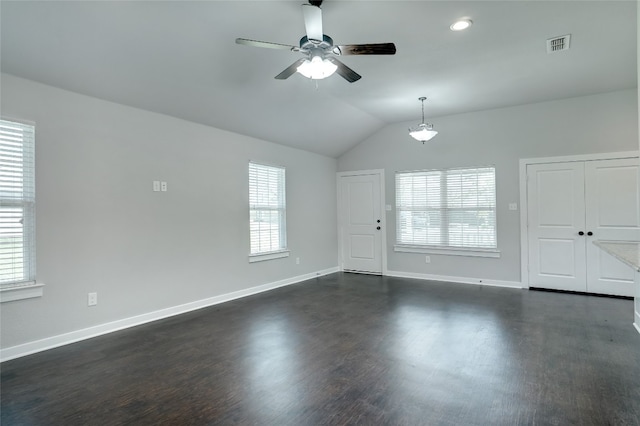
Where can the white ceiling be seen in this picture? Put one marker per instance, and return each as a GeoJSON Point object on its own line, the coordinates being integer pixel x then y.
{"type": "Point", "coordinates": [179, 58]}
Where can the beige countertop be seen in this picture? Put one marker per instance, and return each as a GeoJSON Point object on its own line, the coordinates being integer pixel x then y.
{"type": "Point", "coordinates": [626, 251]}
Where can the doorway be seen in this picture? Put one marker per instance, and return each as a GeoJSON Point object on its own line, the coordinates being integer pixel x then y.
{"type": "Point", "coordinates": [569, 205]}
{"type": "Point", "coordinates": [361, 222]}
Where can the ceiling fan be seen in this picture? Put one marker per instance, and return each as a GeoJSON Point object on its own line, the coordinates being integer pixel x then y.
{"type": "Point", "coordinates": [319, 51]}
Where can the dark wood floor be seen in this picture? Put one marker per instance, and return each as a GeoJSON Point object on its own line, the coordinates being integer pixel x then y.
{"type": "Point", "coordinates": [348, 349]}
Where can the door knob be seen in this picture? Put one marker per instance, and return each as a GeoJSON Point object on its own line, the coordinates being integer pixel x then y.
{"type": "Point", "coordinates": [378, 221]}
{"type": "Point", "coordinates": [589, 233]}
{"type": "Point", "coordinates": [378, 228]}
{"type": "Point", "coordinates": [580, 233]}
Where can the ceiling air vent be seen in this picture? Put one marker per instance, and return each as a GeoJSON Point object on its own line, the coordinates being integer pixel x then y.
{"type": "Point", "coordinates": [558, 44]}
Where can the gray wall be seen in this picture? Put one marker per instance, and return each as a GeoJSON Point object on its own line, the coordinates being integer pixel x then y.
{"type": "Point", "coordinates": [500, 137]}
{"type": "Point", "coordinates": [101, 228]}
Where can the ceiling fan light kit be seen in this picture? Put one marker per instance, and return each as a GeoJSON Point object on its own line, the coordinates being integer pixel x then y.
{"type": "Point", "coordinates": [319, 50]}
{"type": "Point", "coordinates": [317, 68]}
{"type": "Point", "coordinates": [424, 131]}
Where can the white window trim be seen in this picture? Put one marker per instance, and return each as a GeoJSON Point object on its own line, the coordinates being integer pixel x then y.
{"type": "Point", "coordinates": [489, 252]}
{"type": "Point", "coordinates": [21, 291]}
{"type": "Point", "coordinates": [29, 289]}
{"type": "Point", "coordinates": [282, 251]}
{"type": "Point", "coordinates": [260, 257]}
{"type": "Point", "coordinates": [450, 251]}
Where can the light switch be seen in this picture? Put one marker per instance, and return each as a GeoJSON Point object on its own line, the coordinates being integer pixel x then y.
{"type": "Point", "coordinates": [156, 185]}
{"type": "Point", "coordinates": [163, 186]}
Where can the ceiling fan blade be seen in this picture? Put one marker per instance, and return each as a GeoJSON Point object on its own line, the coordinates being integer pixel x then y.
{"type": "Point", "coordinates": [290, 70]}
{"type": "Point", "coordinates": [366, 49]}
{"type": "Point", "coordinates": [312, 21]}
{"type": "Point", "coordinates": [345, 72]}
{"type": "Point", "coordinates": [268, 45]}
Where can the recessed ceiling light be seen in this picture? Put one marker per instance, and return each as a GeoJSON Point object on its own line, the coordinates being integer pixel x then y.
{"type": "Point", "coordinates": [460, 25]}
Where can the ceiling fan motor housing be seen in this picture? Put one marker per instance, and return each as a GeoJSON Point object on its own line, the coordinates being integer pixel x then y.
{"type": "Point", "coordinates": [306, 44]}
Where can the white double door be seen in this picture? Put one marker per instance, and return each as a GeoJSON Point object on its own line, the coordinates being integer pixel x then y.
{"type": "Point", "coordinates": [572, 204]}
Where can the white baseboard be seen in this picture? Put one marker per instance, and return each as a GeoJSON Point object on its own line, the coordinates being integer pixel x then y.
{"type": "Point", "coordinates": [460, 280]}
{"type": "Point", "coordinates": [98, 330]}
{"type": "Point", "coordinates": [636, 323]}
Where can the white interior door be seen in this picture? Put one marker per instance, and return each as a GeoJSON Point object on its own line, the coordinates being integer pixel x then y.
{"type": "Point", "coordinates": [612, 214]}
{"type": "Point", "coordinates": [361, 223]}
{"type": "Point", "coordinates": [555, 212]}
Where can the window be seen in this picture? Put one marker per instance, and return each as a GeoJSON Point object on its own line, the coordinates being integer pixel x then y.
{"type": "Point", "coordinates": [448, 209]}
{"type": "Point", "coordinates": [17, 207]}
{"type": "Point", "coordinates": [267, 212]}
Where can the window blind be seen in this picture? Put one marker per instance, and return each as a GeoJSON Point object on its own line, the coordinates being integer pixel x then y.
{"type": "Point", "coordinates": [447, 208]}
{"type": "Point", "coordinates": [17, 203]}
{"type": "Point", "coordinates": [267, 208]}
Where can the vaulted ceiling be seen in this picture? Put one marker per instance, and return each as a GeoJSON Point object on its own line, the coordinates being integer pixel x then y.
{"type": "Point", "coordinates": [179, 58]}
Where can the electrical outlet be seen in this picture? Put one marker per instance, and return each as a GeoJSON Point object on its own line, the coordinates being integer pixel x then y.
{"type": "Point", "coordinates": [513, 206]}
{"type": "Point", "coordinates": [156, 186]}
{"type": "Point", "coordinates": [92, 299]}
{"type": "Point", "coordinates": [163, 186]}
{"type": "Point", "coordinates": [427, 259]}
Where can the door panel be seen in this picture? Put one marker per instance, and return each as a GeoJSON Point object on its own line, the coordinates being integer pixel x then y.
{"type": "Point", "coordinates": [361, 200]}
{"type": "Point", "coordinates": [362, 247]}
{"type": "Point", "coordinates": [360, 217]}
{"type": "Point", "coordinates": [556, 215]}
{"type": "Point", "coordinates": [554, 208]}
{"type": "Point", "coordinates": [612, 214]}
{"type": "Point", "coordinates": [611, 268]}
{"type": "Point", "coordinates": [557, 257]}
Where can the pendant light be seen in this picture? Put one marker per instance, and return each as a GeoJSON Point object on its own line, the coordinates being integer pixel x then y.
{"type": "Point", "coordinates": [423, 132]}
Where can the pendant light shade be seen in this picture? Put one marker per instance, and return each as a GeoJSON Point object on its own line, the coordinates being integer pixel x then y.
{"type": "Point", "coordinates": [424, 131]}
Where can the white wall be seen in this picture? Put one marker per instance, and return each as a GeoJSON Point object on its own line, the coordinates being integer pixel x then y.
{"type": "Point", "coordinates": [100, 228]}
{"type": "Point", "coordinates": [500, 137]}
